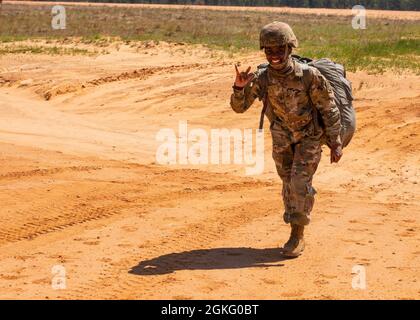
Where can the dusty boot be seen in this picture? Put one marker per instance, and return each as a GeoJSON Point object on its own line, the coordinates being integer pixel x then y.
{"type": "Point", "coordinates": [295, 245]}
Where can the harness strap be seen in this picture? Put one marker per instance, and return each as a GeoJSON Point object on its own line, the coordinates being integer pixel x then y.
{"type": "Point", "coordinates": [264, 109]}
{"type": "Point", "coordinates": [307, 81]}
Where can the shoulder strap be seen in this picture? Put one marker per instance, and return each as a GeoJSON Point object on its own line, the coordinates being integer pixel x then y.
{"type": "Point", "coordinates": [307, 79]}
{"type": "Point", "coordinates": [264, 109]}
{"type": "Point", "coordinates": [263, 79]}
{"type": "Point", "coordinates": [264, 90]}
{"type": "Point", "coordinates": [306, 76]}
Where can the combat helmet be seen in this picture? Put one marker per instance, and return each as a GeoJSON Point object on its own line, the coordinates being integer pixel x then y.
{"type": "Point", "coordinates": [277, 34]}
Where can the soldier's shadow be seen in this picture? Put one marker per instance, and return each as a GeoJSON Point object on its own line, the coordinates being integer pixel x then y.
{"type": "Point", "coordinates": [210, 259]}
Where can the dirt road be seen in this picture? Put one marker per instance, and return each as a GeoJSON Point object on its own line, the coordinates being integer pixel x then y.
{"type": "Point", "coordinates": [380, 14]}
{"type": "Point", "coordinates": [80, 186]}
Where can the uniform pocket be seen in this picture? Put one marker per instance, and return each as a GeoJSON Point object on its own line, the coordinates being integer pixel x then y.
{"type": "Point", "coordinates": [276, 98]}
{"type": "Point", "coordinates": [292, 99]}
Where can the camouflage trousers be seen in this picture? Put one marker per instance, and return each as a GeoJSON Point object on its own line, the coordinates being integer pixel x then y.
{"type": "Point", "coordinates": [296, 157]}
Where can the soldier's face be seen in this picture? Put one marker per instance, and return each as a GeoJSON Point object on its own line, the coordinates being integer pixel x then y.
{"type": "Point", "coordinates": [276, 55]}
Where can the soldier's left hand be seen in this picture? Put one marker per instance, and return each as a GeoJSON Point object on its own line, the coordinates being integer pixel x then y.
{"type": "Point", "coordinates": [336, 154]}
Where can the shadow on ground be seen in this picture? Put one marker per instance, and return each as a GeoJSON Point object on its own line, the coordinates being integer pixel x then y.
{"type": "Point", "coordinates": [210, 259]}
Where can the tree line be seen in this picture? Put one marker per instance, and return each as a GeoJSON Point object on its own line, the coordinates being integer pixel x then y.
{"type": "Point", "coordinates": [369, 4]}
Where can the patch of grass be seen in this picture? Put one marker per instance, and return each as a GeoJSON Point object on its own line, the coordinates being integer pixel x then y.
{"type": "Point", "coordinates": [376, 56]}
{"type": "Point", "coordinates": [15, 49]}
{"type": "Point", "coordinates": [11, 38]}
{"type": "Point", "coordinates": [384, 44]}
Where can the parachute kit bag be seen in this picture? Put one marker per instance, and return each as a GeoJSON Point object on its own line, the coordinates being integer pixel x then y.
{"type": "Point", "coordinates": [335, 74]}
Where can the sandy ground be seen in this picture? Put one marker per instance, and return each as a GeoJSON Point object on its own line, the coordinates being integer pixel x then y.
{"type": "Point", "coordinates": [80, 187]}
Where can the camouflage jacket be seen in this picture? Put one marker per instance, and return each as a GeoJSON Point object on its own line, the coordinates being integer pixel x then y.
{"type": "Point", "coordinates": [288, 102]}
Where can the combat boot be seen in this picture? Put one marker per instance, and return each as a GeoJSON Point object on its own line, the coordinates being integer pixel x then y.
{"type": "Point", "coordinates": [295, 245]}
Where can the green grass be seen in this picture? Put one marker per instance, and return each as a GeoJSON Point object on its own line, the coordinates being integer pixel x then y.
{"type": "Point", "coordinates": [383, 45]}
{"type": "Point", "coordinates": [15, 49]}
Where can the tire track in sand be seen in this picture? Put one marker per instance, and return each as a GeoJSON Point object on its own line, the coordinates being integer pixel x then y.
{"type": "Point", "coordinates": [64, 208]}
{"type": "Point", "coordinates": [49, 91]}
{"type": "Point", "coordinates": [120, 280]}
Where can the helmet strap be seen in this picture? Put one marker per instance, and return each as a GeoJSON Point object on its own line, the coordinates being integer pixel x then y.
{"type": "Point", "coordinates": [287, 51]}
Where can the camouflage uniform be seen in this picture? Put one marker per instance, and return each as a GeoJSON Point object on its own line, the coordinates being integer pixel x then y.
{"type": "Point", "coordinates": [296, 135]}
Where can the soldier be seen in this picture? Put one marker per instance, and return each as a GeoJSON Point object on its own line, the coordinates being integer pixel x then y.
{"type": "Point", "coordinates": [294, 126]}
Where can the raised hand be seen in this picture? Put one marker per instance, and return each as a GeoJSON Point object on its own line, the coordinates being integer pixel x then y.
{"type": "Point", "coordinates": [243, 78]}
